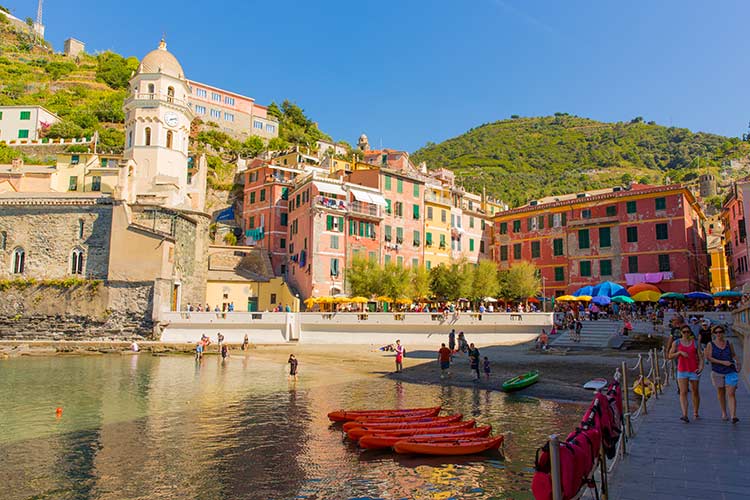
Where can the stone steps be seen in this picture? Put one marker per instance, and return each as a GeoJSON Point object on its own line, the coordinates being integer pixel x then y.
{"type": "Point", "coordinates": [595, 335]}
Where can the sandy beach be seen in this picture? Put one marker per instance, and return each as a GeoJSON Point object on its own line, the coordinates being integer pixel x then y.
{"type": "Point", "coordinates": [562, 373]}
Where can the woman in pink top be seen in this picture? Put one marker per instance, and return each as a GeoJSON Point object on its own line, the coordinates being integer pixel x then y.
{"type": "Point", "coordinates": [689, 367]}
{"type": "Point", "coordinates": [399, 357]}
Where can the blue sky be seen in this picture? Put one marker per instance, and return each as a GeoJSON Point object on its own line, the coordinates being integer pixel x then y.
{"type": "Point", "coordinates": [407, 72]}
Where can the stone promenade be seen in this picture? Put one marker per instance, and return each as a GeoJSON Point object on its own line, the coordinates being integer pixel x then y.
{"type": "Point", "coordinates": [707, 459]}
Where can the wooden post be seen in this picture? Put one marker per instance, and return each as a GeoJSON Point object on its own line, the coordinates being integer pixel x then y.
{"type": "Point", "coordinates": [655, 365]}
{"type": "Point", "coordinates": [667, 365]}
{"type": "Point", "coordinates": [643, 387]}
{"type": "Point", "coordinates": [554, 456]}
{"type": "Point", "coordinates": [603, 473]}
{"type": "Point", "coordinates": [626, 396]}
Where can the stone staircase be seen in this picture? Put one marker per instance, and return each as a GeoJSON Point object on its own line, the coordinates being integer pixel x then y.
{"type": "Point", "coordinates": [595, 335]}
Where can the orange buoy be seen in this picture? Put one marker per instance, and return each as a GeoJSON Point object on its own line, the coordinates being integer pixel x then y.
{"type": "Point", "coordinates": [58, 411]}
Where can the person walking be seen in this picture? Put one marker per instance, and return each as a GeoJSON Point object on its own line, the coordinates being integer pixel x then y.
{"type": "Point", "coordinates": [689, 367]}
{"type": "Point", "coordinates": [704, 335]}
{"type": "Point", "coordinates": [444, 358]}
{"type": "Point", "coordinates": [199, 351]}
{"type": "Point", "coordinates": [452, 340]}
{"type": "Point", "coordinates": [579, 329]}
{"type": "Point", "coordinates": [487, 368]}
{"type": "Point", "coordinates": [399, 357]}
{"type": "Point", "coordinates": [245, 343]}
{"type": "Point", "coordinates": [224, 352]}
{"type": "Point", "coordinates": [220, 338]}
{"type": "Point", "coordinates": [474, 361]}
{"type": "Point", "coordinates": [293, 364]}
{"type": "Point", "coordinates": [725, 369]}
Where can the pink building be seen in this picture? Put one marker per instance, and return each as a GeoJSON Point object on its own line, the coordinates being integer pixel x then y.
{"type": "Point", "coordinates": [735, 234]}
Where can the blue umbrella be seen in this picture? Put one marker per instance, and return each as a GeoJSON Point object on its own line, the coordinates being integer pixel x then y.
{"type": "Point", "coordinates": [699, 296]}
{"type": "Point", "coordinates": [728, 294]}
{"type": "Point", "coordinates": [587, 290]}
{"type": "Point", "coordinates": [601, 300]}
{"type": "Point", "coordinates": [610, 289]}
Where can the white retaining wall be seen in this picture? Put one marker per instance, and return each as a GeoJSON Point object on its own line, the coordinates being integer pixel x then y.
{"type": "Point", "coordinates": [353, 328]}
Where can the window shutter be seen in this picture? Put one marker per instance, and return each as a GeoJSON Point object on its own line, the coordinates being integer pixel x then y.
{"type": "Point", "coordinates": [550, 220]}
{"type": "Point", "coordinates": [564, 219]}
{"type": "Point", "coordinates": [329, 222]}
{"type": "Point", "coordinates": [352, 225]}
{"type": "Point", "coordinates": [341, 225]}
{"type": "Point", "coordinates": [541, 222]}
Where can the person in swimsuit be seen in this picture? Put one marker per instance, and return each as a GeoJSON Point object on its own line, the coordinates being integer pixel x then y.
{"type": "Point", "coordinates": [725, 368]}
{"type": "Point", "coordinates": [444, 358]}
{"type": "Point", "coordinates": [689, 368]}
{"type": "Point", "coordinates": [292, 367]}
{"type": "Point", "coordinates": [399, 357]}
{"type": "Point", "coordinates": [474, 361]}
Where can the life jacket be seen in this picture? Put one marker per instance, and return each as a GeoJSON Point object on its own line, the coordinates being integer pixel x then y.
{"type": "Point", "coordinates": [600, 416]}
{"type": "Point", "coordinates": [582, 442]}
{"type": "Point", "coordinates": [614, 400]}
{"type": "Point", "coordinates": [541, 483]}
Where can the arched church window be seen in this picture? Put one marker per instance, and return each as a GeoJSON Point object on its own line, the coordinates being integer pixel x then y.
{"type": "Point", "coordinates": [18, 260]}
{"type": "Point", "coordinates": [150, 90]}
{"type": "Point", "coordinates": [169, 139]}
{"type": "Point", "coordinates": [148, 136]}
{"type": "Point", "coordinates": [76, 261]}
{"type": "Point", "coordinates": [170, 94]}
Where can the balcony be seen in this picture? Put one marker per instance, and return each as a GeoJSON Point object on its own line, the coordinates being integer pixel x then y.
{"type": "Point", "coordinates": [367, 210]}
{"type": "Point", "coordinates": [331, 203]}
{"type": "Point", "coordinates": [157, 97]}
{"type": "Point", "coordinates": [443, 200]}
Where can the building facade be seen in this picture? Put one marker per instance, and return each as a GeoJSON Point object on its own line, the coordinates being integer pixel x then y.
{"type": "Point", "coordinates": [233, 113]}
{"type": "Point", "coordinates": [644, 233]}
{"type": "Point", "coordinates": [736, 245]}
{"type": "Point", "coordinates": [717, 260]}
{"type": "Point", "coordinates": [20, 124]}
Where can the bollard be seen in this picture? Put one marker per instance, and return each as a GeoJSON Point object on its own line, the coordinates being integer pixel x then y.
{"type": "Point", "coordinates": [625, 393]}
{"type": "Point", "coordinates": [629, 424]}
{"type": "Point", "coordinates": [554, 457]}
{"type": "Point", "coordinates": [643, 387]}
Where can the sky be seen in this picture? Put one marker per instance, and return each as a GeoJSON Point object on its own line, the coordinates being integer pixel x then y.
{"type": "Point", "coordinates": [406, 72]}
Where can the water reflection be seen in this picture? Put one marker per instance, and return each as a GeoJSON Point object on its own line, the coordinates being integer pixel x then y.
{"type": "Point", "coordinates": [171, 427]}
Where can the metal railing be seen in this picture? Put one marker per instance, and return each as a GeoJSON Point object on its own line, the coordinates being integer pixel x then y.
{"type": "Point", "coordinates": [651, 383]}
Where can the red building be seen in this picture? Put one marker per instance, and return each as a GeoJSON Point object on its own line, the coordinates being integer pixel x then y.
{"type": "Point", "coordinates": [735, 237]}
{"type": "Point", "coordinates": [629, 235]}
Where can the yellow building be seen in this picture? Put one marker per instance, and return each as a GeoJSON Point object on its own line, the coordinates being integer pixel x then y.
{"type": "Point", "coordinates": [437, 225]}
{"type": "Point", "coordinates": [243, 277]}
{"type": "Point", "coordinates": [719, 268]}
{"type": "Point", "coordinates": [87, 173]}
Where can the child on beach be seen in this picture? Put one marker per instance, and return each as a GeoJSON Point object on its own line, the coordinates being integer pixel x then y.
{"type": "Point", "coordinates": [292, 367]}
{"type": "Point", "coordinates": [487, 368]}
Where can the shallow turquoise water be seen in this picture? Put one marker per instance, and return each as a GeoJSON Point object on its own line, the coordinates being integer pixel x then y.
{"type": "Point", "coordinates": [145, 427]}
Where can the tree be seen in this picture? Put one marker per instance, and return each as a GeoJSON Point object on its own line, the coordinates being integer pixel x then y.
{"type": "Point", "coordinates": [485, 283]}
{"type": "Point", "coordinates": [277, 144]}
{"type": "Point", "coordinates": [252, 147]}
{"type": "Point", "coordinates": [115, 70]}
{"type": "Point", "coordinates": [395, 281]}
{"type": "Point", "coordinates": [420, 283]}
{"type": "Point", "coordinates": [64, 129]}
{"type": "Point", "coordinates": [363, 277]}
{"type": "Point", "coordinates": [230, 239]}
{"type": "Point", "coordinates": [451, 282]}
{"type": "Point", "coordinates": [523, 281]}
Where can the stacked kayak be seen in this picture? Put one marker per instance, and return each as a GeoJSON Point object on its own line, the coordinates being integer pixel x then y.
{"type": "Point", "coordinates": [416, 431]}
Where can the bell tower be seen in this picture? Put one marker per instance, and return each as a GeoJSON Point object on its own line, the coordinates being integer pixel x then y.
{"type": "Point", "coordinates": [157, 128]}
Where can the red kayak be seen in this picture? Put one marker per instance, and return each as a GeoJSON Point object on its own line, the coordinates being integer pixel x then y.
{"type": "Point", "coordinates": [434, 421]}
{"type": "Point", "coordinates": [396, 418]}
{"type": "Point", "coordinates": [468, 446]}
{"type": "Point", "coordinates": [379, 441]}
{"type": "Point", "coordinates": [345, 416]}
{"type": "Point", "coordinates": [358, 432]}
{"type": "Point", "coordinates": [402, 422]}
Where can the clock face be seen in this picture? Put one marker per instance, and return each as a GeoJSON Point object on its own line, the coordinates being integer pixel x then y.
{"type": "Point", "coordinates": [170, 119]}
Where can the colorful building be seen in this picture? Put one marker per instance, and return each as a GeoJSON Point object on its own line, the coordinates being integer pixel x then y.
{"type": "Point", "coordinates": [717, 260]}
{"type": "Point", "coordinates": [437, 225]}
{"type": "Point", "coordinates": [20, 124]}
{"type": "Point", "coordinates": [233, 113]}
{"type": "Point", "coordinates": [628, 235]}
{"type": "Point", "coordinates": [736, 246]}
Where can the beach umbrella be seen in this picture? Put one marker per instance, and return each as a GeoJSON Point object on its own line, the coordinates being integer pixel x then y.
{"type": "Point", "coordinates": [728, 294]}
{"type": "Point", "coordinates": [608, 289]}
{"type": "Point", "coordinates": [699, 296]}
{"type": "Point", "coordinates": [672, 295]}
{"type": "Point", "coordinates": [311, 301]}
{"type": "Point", "coordinates": [566, 298]}
{"type": "Point", "coordinates": [586, 290]}
{"type": "Point", "coordinates": [621, 299]}
{"type": "Point", "coordinates": [601, 300]}
{"type": "Point", "coordinates": [403, 300]}
{"type": "Point", "coordinates": [384, 298]}
{"type": "Point", "coordinates": [584, 298]}
{"type": "Point", "coordinates": [360, 300]}
{"type": "Point", "coordinates": [647, 296]}
{"type": "Point", "coordinates": [341, 300]}
{"type": "Point", "coordinates": [533, 300]}
{"type": "Point", "coordinates": [643, 287]}
{"type": "Point", "coordinates": [489, 299]}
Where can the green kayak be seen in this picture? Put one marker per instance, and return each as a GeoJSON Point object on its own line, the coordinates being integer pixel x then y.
{"type": "Point", "coordinates": [521, 381]}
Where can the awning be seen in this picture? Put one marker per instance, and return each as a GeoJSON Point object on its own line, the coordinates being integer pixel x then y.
{"type": "Point", "coordinates": [361, 195]}
{"type": "Point", "coordinates": [377, 199]}
{"type": "Point", "coordinates": [325, 187]}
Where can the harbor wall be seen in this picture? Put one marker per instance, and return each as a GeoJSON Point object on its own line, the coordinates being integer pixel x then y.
{"type": "Point", "coordinates": [352, 328]}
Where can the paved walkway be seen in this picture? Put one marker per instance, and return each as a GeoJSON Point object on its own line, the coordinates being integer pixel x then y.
{"type": "Point", "coordinates": [707, 459]}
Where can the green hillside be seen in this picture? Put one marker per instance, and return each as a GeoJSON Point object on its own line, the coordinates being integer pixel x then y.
{"type": "Point", "coordinates": [525, 158]}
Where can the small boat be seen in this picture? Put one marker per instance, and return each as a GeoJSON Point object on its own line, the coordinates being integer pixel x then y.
{"type": "Point", "coordinates": [469, 446]}
{"type": "Point", "coordinates": [358, 432]}
{"type": "Point", "coordinates": [521, 381]}
{"type": "Point", "coordinates": [396, 419]}
{"type": "Point", "coordinates": [380, 441]}
{"type": "Point", "coordinates": [345, 416]}
{"type": "Point", "coordinates": [434, 421]}
{"type": "Point", "coordinates": [595, 384]}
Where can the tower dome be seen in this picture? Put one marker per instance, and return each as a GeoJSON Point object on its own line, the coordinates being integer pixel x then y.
{"type": "Point", "coordinates": [161, 61]}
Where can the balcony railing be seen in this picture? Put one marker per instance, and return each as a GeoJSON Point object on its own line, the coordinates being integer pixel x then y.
{"type": "Point", "coordinates": [331, 203]}
{"type": "Point", "coordinates": [366, 209]}
{"type": "Point", "coordinates": [437, 199]}
{"type": "Point", "coordinates": [154, 96]}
